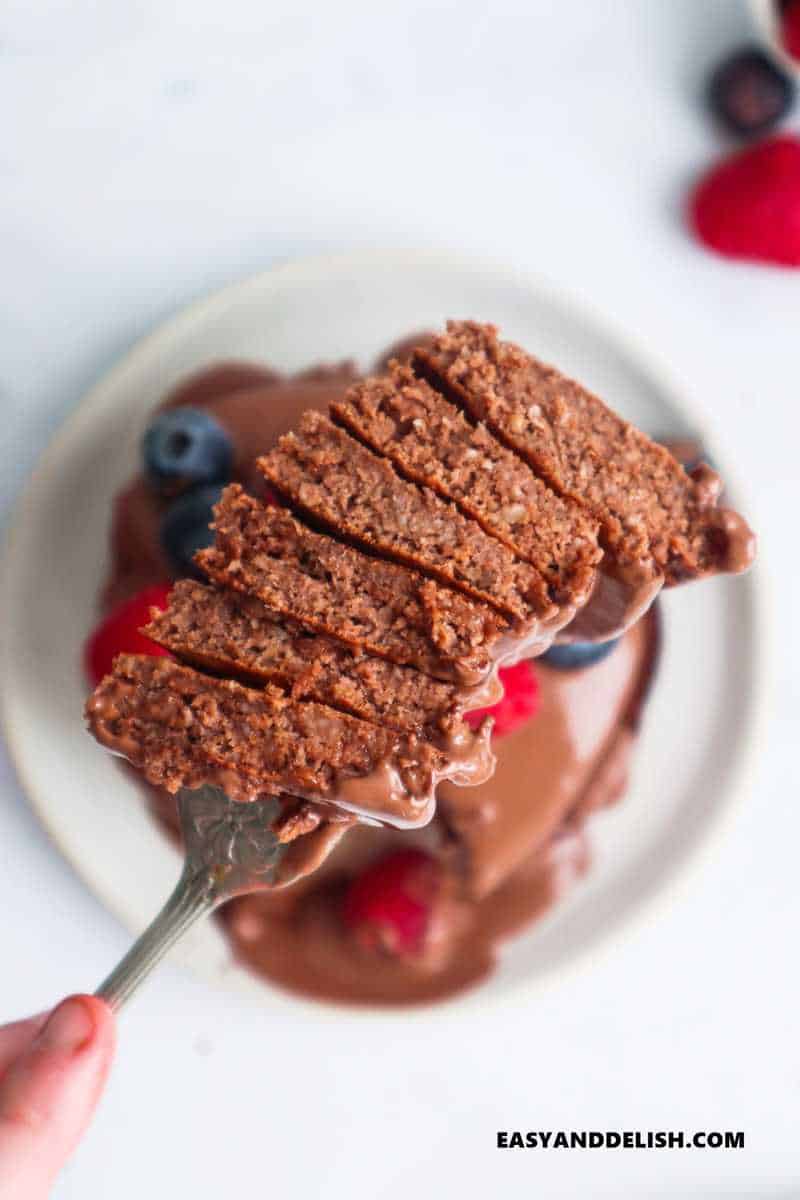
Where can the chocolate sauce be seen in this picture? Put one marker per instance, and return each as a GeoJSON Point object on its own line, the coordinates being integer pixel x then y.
{"type": "Point", "coordinates": [520, 845]}
{"type": "Point", "coordinates": [617, 602]}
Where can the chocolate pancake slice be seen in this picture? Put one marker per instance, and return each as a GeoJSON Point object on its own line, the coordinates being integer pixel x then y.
{"type": "Point", "coordinates": [430, 441]}
{"type": "Point", "coordinates": [183, 728]}
{"type": "Point", "coordinates": [376, 606]}
{"type": "Point", "coordinates": [328, 474]}
{"type": "Point", "coordinates": [236, 635]}
{"type": "Point", "coordinates": [656, 521]}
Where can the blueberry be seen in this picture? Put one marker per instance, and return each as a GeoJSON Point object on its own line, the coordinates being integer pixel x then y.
{"type": "Point", "coordinates": [185, 527]}
{"type": "Point", "coordinates": [571, 656]}
{"type": "Point", "coordinates": [186, 446]}
{"type": "Point", "coordinates": [749, 93]}
{"type": "Point", "coordinates": [690, 464]}
{"type": "Point", "coordinates": [689, 451]}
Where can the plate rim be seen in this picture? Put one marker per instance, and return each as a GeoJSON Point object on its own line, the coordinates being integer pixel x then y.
{"type": "Point", "coordinates": [640, 353]}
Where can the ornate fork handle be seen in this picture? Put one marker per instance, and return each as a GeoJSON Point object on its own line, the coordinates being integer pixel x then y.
{"type": "Point", "coordinates": [229, 850]}
{"type": "Point", "coordinates": [193, 897]}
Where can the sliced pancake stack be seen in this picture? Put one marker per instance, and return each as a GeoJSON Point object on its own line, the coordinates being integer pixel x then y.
{"type": "Point", "coordinates": [443, 519]}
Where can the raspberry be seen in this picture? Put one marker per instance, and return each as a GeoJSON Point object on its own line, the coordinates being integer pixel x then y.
{"type": "Point", "coordinates": [520, 701]}
{"type": "Point", "coordinates": [748, 206]}
{"type": "Point", "coordinates": [790, 27]}
{"type": "Point", "coordinates": [388, 906]}
{"type": "Point", "coordinates": [119, 632]}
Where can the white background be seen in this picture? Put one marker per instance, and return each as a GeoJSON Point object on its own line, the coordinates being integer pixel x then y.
{"type": "Point", "coordinates": [153, 151]}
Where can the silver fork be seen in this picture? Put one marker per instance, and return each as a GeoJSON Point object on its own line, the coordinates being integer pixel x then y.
{"type": "Point", "coordinates": [230, 850]}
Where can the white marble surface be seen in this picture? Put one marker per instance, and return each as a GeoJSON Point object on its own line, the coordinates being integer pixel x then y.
{"type": "Point", "coordinates": [154, 151]}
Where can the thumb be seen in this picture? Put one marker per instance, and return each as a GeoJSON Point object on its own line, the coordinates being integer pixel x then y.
{"type": "Point", "coordinates": [48, 1095]}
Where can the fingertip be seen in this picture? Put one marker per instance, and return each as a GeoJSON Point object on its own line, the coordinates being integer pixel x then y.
{"type": "Point", "coordinates": [105, 1030]}
{"type": "Point", "coordinates": [71, 1052]}
{"type": "Point", "coordinates": [48, 1094]}
{"type": "Point", "coordinates": [70, 1028]}
{"type": "Point", "coordinates": [102, 1017]}
{"type": "Point", "coordinates": [89, 1032]}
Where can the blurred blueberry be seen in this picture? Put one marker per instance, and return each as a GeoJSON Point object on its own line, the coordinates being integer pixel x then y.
{"type": "Point", "coordinates": [749, 93]}
{"type": "Point", "coordinates": [571, 656]}
{"type": "Point", "coordinates": [701, 457]}
{"type": "Point", "coordinates": [186, 446]}
{"type": "Point", "coordinates": [185, 527]}
{"type": "Point", "coordinates": [688, 450]}
{"type": "Point", "coordinates": [692, 454]}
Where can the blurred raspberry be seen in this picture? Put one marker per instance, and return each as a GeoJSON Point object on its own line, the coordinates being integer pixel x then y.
{"type": "Point", "coordinates": [519, 704]}
{"type": "Point", "coordinates": [790, 27]}
{"type": "Point", "coordinates": [748, 206]}
{"type": "Point", "coordinates": [388, 906]}
{"type": "Point", "coordinates": [119, 632]}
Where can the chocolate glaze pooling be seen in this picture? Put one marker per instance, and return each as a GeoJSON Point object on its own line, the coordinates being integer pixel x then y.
{"type": "Point", "coordinates": [617, 602]}
{"type": "Point", "coordinates": [520, 845]}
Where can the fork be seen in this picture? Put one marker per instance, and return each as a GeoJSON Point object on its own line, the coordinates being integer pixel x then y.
{"type": "Point", "coordinates": [230, 849]}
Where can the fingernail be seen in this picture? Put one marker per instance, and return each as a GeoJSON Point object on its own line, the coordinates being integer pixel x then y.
{"type": "Point", "coordinates": [69, 1028]}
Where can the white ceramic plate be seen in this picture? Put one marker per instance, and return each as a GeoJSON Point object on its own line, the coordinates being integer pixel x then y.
{"type": "Point", "coordinates": [699, 722]}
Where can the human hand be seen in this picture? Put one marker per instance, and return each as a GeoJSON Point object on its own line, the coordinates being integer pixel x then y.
{"type": "Point", "coordinates": [52, 1071]}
